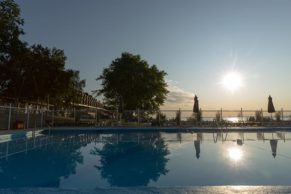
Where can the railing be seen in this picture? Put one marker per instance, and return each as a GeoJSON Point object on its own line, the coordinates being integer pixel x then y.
{"type": "Point", "coordinates": [28, 118]}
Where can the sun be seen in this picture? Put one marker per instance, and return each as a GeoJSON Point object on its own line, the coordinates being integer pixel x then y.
{"type": "Point", "coordinates": [232, 81]}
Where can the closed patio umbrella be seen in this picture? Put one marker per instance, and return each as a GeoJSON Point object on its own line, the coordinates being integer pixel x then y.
{"type": "Point", "coordinates": [196, 105]}
{"type": "Point", "coordinates": [271, 108]}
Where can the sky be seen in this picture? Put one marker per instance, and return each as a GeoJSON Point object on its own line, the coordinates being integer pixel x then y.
{"type": "Point", "coordinates": [197, 42]}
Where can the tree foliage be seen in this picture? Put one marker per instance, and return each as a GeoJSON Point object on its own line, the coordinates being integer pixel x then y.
{"type": "Point", "coordinates": [39, 74]}
{"type": "Point", "coordinates": [10, 29]}
{"type": "Point", "coordinates": [10, 44]}
{"type": "Point", "coordinates": [74, 87]}
{"type": "Point", "coordinates": [35, 73]}
{"type": "Point", "coordinates": [130, 83]}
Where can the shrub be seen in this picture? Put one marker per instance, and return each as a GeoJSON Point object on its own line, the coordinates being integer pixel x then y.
{"type": "Point", "coordinates": [278, 115]}
{"type": "Point", "coordinates": [259, 116]}
{"type": "Point", "coordinates": [218, 116]}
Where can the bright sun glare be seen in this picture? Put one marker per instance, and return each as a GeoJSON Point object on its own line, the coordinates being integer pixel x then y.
{"type": "Point", "coordinates": [235, 154]}
{"type": "Point", "coordinates": [232, 81]}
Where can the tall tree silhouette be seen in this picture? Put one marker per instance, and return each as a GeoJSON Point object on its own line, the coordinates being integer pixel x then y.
{"type": "Point", "coordinates": [42, 75]}
{"type": "Point", "coordinates": [10, 44]}
{"type": "Point", "coordinates": [132, 82]}
{"type": "Point", "coordinates": [32, 73]}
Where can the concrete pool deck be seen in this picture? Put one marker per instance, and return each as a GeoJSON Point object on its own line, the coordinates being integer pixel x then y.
{"type": "Point", "coordinates": [150, 129]}
{"type": "Point", "coordinates": [156, 190]}
{"type": "Point", "coordinates": [169, 129]}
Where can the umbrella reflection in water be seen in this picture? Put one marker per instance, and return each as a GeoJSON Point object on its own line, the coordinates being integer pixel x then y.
{"type": "Point", "coordinates": [197, 144]}
{"type": "Point", "coordinates": [273, 143]}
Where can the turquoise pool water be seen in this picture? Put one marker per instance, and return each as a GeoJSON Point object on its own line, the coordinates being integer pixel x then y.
{"type": "Point", "coordinates": [90, 160]}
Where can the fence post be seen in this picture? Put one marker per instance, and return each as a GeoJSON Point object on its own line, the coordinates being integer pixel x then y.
{"type": "Point", "coordinates": [138, 116]}
{"type": "Point", "coordinates": [96, 117]}
{"type": "Point", "coordinates": [180, 119]}
{"type": "Point", "coordinates": [9, 116]}
{"type": "Point", "coordinates": [158, 112]}
{"type": "Point", "coordinates": [74, 113]}
{"type": "Point", "coordinates": [262, 120]}
{"type": "Point", "coordinates": [27, 118]}
{"type": "Point", "coordinates": [41, 119]}
{"type": "Point", "coordinates": [120, 118]}
{"type": "Point", "coordinates": [241, 115]}
{"type": "Point", "coordinates": [53, 117]}
{"type": "Point", "coordinates": [221, 114]}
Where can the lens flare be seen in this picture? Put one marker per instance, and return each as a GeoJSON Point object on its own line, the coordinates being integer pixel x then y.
{"type": "Point", "coordinates": [232, 81]}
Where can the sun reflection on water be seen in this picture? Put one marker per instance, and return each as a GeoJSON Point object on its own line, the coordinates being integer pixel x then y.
{"type": "Point", "coordinates": [235, 154]}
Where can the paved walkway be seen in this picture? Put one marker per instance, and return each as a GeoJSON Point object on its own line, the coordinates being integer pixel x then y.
{"type": "Point", "coordinates": [159, 190]}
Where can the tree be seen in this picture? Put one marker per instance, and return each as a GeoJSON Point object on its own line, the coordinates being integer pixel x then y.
{"type": "Point", "coordinates": [10, 44]}
{"type": "Point", "coordinates": [12, 72]}
{"type": "Point", "coordinates": [10, 29]}
{"type": "Point", "coordinates": [35, 73]}
{"type": "Point", "coordinates": [46, 74]}
{"type": "Point", "coordinates": [39, 75]}
{"type": "Point", "coordinates": [74, 88]}
{"type": "Point", "coordinates": [131, 83]}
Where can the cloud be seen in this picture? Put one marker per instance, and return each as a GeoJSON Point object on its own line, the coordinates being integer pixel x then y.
{"type": "Point", "coordinates": [177, 97]}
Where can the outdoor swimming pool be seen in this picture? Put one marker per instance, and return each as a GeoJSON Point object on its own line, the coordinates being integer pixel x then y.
{"type": "Point", "coordinates": [129, 159]}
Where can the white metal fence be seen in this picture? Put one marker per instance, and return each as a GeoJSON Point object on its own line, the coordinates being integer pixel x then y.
{"type": "Point", "coordinates": [28, 118]}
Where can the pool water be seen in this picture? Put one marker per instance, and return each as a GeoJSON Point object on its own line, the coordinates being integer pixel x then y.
{"type": "Point", "coordinates": [90, 160]}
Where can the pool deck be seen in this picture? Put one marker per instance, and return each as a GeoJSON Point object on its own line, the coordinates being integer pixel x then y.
{"type": "Point", "coordinates": [151, 129]}
{"type": "Point", "coordinates": [156, 190]}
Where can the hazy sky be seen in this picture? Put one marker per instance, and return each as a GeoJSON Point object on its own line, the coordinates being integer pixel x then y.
{"type": "Point", "coordinates": [195, 42]}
